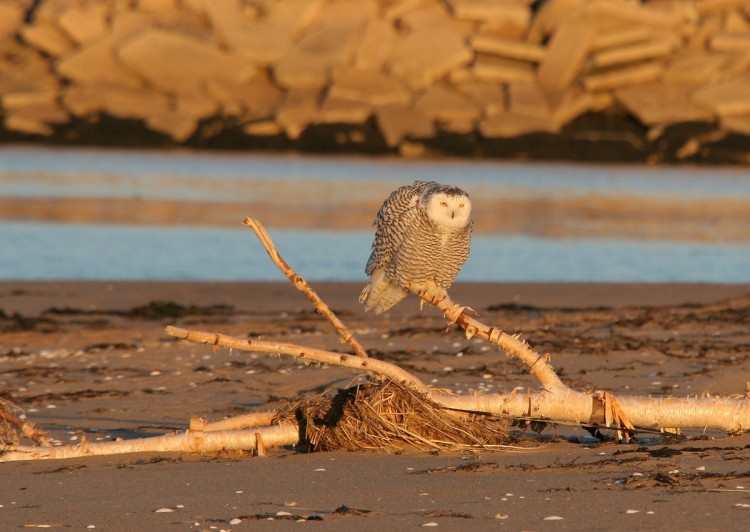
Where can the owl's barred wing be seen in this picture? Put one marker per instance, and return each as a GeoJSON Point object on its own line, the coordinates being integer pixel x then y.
{"type": "Point", "coordinates": [392, 222]}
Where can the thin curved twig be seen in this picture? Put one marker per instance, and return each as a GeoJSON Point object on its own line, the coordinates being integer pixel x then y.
{"type": "Point", "coordinates": [299, 282]}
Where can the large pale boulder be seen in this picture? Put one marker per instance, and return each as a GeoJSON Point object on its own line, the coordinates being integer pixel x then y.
{"type": "Point", "coordinates": [26, 125]}
{"type": "Point", "coordinates": [696, 67]}
{"type": "Point", "coordinates": [739, 124]}
{"type": "Point", "coordinates": [551, 15]}
{"type": "Point", "coordinates": [509, 48]}
{"type": "Point", "coordinates": [179, 127]}
{"type": "Point", "coordinates": [620, 35]}
{"type": "Point", "coordinates": [11, 19]}
{"type": "Point", "coordinates": [730, 43]}
{"type": "Point", "coordinates": [489, 96]}
{"type": "Point", "coordinates": [566, 53]}
{"type": "Point", "coordinates": [508, 124]}
{"type": "Point", "coordinates": [632, 53]}
{"type": "Point", "coordinates": [662, 103]}
{"type": "Point", "coordinates": [367, 86]}
{"type": "Point", "coordinates": [32, 112]}
{"type": "Point", "coordinates": [397, 122]}
{"type": "Point", "coordinates": [428, 54]}
{"type": "Point", "coordinates": [117, 101]}
{"type": "Point", "coordinates": [623, 77]}
{"type": "Point", "coordinates": [197, 105]}
{"type": "Point", "coordinates": [527, 98]}
{"type": "Point", "coordinates": [725, 99]}
{"type": "Point", "coordinates": [445, 104]}
{"type": "Point", "coordinates": [298, 110]}
{"type": "Point", "coordinates": [97, 63]}
{"type": "Point", "coordinates": [23, 68]}
{"type": "Point", "coordinates": [493, 68]}
{"type": "Point", "coordinates": [85, 23]}
{"type": "Point", "coordinates": [179, 63]}
{"type": "Point", "coordinates": [492, 11]}
{"type": "Point", "coordinates": [265, 39]}
{"type": "Point", "coordinates": [375, 47]}
{"type": "Point", "coordinates": [46, 38]}
{"type": "Point", "coordinates": [430, 15]}
{"type": "Point", "coordinates": [338, 111]}
{"type": "Point", "coordinates": [256, 98]}
{"type": "Point", "coordinates": [330, 42]}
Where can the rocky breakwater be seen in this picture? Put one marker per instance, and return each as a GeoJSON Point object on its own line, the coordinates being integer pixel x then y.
{"type": "Point", "coordinates": [657, 80]}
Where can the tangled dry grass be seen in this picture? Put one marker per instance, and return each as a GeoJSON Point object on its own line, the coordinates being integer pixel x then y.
{"type": "Point", "coordinates": [383, 415]}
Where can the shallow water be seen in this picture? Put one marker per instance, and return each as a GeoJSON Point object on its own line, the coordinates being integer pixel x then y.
{"type": "Point", "coordinates": [41, 249]}
{"type": "Point", "coordinates": [52, 251]}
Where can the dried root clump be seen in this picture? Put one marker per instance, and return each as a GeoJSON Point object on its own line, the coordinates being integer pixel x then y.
{"type": "Point", "coordinates": [12, 427]}
{"type": "Point", "coordinates": [386, 416]}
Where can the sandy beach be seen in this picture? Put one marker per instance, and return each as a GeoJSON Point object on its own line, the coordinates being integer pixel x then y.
{"type": "Point", "coordinates": [91, 359]}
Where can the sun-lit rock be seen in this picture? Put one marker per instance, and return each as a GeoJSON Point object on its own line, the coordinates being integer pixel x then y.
{"type": "Point", "coordinates": [46, 38]}
{"type": "Point", "coordinates": [368, 86]}
{"type": "Point", "coordinates": [338, 111]}
{"type": "Point", "coordinates": [96, 63]}
{"type": "Point", "coordinates": [694, 66]}
{"type": "Point", "coordinates": [397, 122]}
{"type": "Point", "coordinates": [330, 42]}
{"type": "Point", "coordinates": [491, 11]}
{"type": "Point", "coordinates": [623, 77]}
{"type": "Point", "coordinates": [255, 98]}
{"type": "Point", "coordinates": [566, 53]}
{"type": "Point", "coordinates": [264, 39]}
{"type": "Point", "coordinates": [492, 68]}
{"type": "Point", "coordinates": [178, 126]}
{"type": "Point", "coordinates": [725, 99]}
{"type": "Point", "coordinates": [376, 44]}
{"type": "Point", "coordinates": [445, 104]}
{"type": "Point", "coordinates": [177, 62]}
{"type": "Point", "coordinates": [428, 54]}
{"type": "Point", "coordinates": [508, 48]}
{"type": "Point", "coordinates": [662, 103]}
{"type": "Point", "coordinates": [509, 124]}
{"type": "Point", "coordinates": [489, 96]}
{"type": "Point", "coordinates": [11, 19]}
{"type": "Point", "coordinates": [298, 110]}
{"type": "Point", "coordinates": [85, 23]}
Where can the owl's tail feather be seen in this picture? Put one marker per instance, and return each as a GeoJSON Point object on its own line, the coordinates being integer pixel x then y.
{"type": "Point", "coordinates": [380, 294]}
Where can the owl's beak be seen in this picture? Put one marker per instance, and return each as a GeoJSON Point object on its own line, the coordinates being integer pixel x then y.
{"type": "Point", "coordinates": [453, 214]}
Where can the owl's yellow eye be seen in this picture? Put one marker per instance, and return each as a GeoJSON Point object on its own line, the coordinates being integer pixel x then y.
{"type": "Point", "coordinates": [443, 204]}
{"type": "Point", "coordinates": [461, 206]}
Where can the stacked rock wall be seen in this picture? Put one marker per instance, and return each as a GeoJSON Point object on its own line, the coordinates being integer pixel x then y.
{"type": "Point", "coordinates": [656, 80]}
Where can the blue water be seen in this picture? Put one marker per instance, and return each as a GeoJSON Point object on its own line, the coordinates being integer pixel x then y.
{"type": "Point", "coordinates": [231, 177]}
{"type": "Point", "coordinates": [73, 251]}
{"type": "Point", "coordinates": [34, 251]}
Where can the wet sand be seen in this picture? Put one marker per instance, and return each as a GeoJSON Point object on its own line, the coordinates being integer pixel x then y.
{"type": "Point", "coordinates": [91, 359]}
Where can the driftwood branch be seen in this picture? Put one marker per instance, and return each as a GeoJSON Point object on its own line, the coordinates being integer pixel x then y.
{"type": "Point", "coordinates": [560, 404]}
{"type": "Point", "coordinates": [194, 440]}
{"type": "Point", "coordinates": [346, 334]}
{"type": "Point", "coordinates": [554, 402]}
{"type": "Point", "coordinates": [302, 353]}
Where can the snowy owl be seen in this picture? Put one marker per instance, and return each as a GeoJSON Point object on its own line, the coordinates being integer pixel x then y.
{"type": "Point", "coordinates": [422, 238]}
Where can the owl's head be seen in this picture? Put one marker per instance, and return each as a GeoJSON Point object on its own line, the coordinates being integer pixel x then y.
{"type": "Point", "coordinates": [448, 207]}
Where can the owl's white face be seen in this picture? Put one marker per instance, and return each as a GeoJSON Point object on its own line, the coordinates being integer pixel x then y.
{"type": "Point", "coordinates": [449, 211]}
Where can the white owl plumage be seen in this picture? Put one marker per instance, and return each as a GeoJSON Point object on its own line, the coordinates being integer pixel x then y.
{"type": "Point", "coordinates": [422, 239]}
